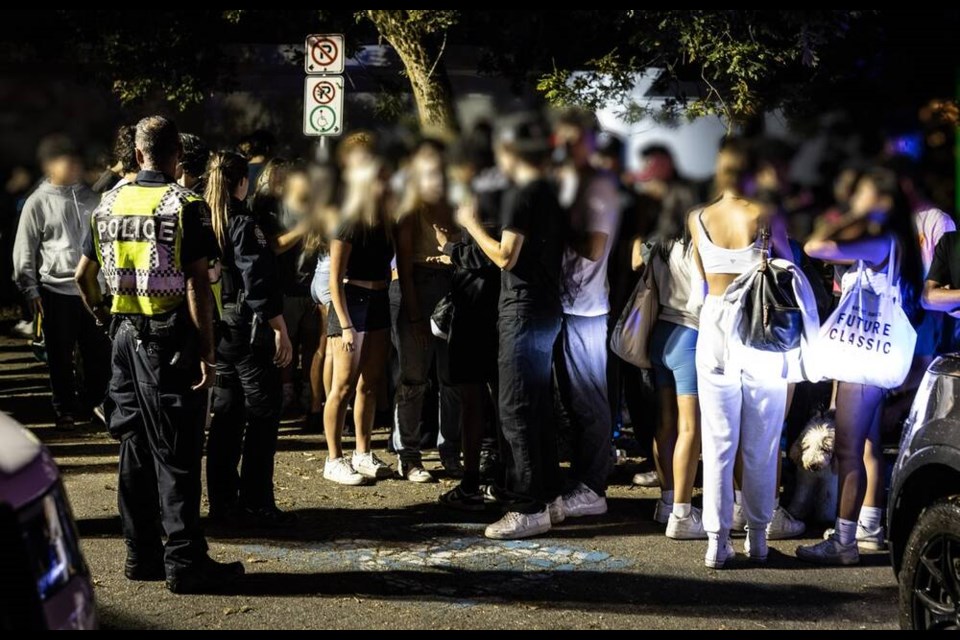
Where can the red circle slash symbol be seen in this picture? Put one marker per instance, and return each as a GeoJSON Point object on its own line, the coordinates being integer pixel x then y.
{"type": "Point", "coordinates": [324, 51]}
{"type": "Point", "coordinates": [324, 92]}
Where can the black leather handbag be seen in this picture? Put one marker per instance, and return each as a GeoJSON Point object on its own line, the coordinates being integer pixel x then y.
{"type": "Point", "coordinates": [772, 320]}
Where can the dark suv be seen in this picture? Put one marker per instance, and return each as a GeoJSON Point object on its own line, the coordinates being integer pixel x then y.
{"type": "Point", "coordinates": [924, 526]}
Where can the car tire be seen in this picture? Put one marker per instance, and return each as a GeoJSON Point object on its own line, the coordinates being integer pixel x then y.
{"type": "Point", "coordinates": [927, 601]}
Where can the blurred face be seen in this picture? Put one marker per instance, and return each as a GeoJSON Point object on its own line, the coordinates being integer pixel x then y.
{"type": "Point", "coordinates": [866, 199]}
{"type": "Point", "coordinates": [844, 185]}
{"type": "Point", "coordinates": [296, 193]}
{"type": "Point", "coordinates": [63, 171]}
{"type": "Point", "coordinates": [578, 144]}
{"type": "Point", "coordinates": [506, 161]}
{"type": "Point", "coordinates": [359, 156]}
{"type": "Point", "coordinates": [431, 183]}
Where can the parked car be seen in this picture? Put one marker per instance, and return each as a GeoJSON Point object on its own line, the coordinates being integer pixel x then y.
{"type": "Point", "coordinates": [924, 513]}
{"type": "Point", "coordinates": [44, 580]}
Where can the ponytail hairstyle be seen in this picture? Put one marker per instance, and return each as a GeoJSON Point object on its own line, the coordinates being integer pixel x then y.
{"type": "Point", "coordinates": [225, 172]}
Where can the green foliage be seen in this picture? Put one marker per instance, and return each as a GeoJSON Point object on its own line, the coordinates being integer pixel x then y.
{"type": "Point", "coordinates": [423, 21]}
{"type": "Point", "coordinates": [741, 61]}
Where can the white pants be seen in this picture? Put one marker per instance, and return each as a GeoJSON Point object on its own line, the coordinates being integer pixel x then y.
{"type": "Point", "coordinates": [743, 397]}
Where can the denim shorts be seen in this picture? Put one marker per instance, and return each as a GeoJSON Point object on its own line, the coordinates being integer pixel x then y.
{"type": "Point", "coordinates": [320, 286]}
{"type": "Point", "coordinates": [673, 352]}
{"type": "Point", "coordinates": [369, 310]}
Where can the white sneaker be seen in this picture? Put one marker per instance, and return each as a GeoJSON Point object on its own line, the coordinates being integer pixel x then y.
{"type": "Point", "coordinates": [648, 479]}
{"type": "Point", "coordinates": [416, 473]}
{"type": "Point", "coordinates": [755, 546]}
{"type": "Point", "coordinates": [661, 513]}
{"type": "Point", "coordinates": [24, 329]}
{"type": "Point", "coordinates": [556, 510]}
{"type": "Point", "coordinates": [583, 501]}
{"type": "Point", "coordinates": [739, 518]}
{"type": "Point", "coordinates": [830, 551]}
{"type": "Point", "coordinates": [516, 526]}
{"type": "Point", "coordinates": [689, 528]}
{"type": "Point", "coordinates": [340, 470]}
{"type": "Point", "coordinates": [718, 553]}
{"type": "Point", "coordinates": [370, 466]}
{"type": "Point", "coordinates": [866, 539]}
{"type": "Point", "coordinates": [784, 526]}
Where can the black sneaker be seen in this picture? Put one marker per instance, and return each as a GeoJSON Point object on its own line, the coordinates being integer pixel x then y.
{"type": "Point", "coordinates": [206, 576]}
{"type": "Point", "coordinates": [143, 569]}
{"type": "Point", "coordinates": [65, 423]}
{"type": "Point", "coordinates": [268, 517]}
{"type": "Point", "coordinates": [458, 498]}
{"type": "Point", "coordinates": [492, 495]}
{"type": "Point", "coordinates": [489, 465]}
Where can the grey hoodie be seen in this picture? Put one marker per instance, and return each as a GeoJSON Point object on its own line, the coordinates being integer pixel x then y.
{"type": "Point", "coordinates": [53, 225]}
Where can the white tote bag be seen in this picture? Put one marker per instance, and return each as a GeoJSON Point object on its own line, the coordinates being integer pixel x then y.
{"type": "Point", "coordinates": [869, 338]}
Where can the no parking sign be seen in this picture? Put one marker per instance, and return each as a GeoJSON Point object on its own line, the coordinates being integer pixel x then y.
{"type": "Point", "coordinates": [324, 53]}
{"type": "Point", "coordinates": [323, 89]}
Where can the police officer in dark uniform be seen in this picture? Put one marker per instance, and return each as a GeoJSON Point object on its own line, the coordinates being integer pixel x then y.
{"type": "Point", "coordinates": [152, 241]}
{"type": "Point", "coordinates": [253, 347]}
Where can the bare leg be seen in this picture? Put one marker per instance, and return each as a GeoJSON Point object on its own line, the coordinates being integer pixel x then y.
{"type": "Point", "coordinates": [328, 368]}
{"type": "Point", "coordinates": [857, 406]}
{"type": "Point", "coordinates": [318, 391]}
{"type": "Point", "coordinates": [346, 371]}
{"type": "Point", "coordinates": [686, 455]}
{"type": "Point", "coordinates": [874, 464]}
{"type": "Point", "coordinates": [373, 366]}
{"type": "Point", "coordinates": [665, 438]}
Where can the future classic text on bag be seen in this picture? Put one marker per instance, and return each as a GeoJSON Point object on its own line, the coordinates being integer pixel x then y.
{"type": "Point", "coordinates": [869, 339]}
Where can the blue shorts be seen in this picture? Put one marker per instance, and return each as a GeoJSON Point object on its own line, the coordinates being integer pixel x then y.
{"type": "Point", "coordinates": [320, 287]}
{"type": "Point", "coordinates": [673, 352]}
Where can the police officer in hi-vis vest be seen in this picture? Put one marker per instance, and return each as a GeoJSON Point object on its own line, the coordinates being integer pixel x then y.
{"type": "Point", "coordinates": [152, 241]}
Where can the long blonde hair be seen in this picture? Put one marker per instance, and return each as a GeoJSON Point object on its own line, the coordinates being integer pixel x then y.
{"type": "Point", "coordinates": [225, 171]}
{"type": "Point", "coordinates": [364, 200]}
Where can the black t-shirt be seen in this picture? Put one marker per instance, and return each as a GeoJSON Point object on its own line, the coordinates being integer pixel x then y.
{"type": "Point", "coordinates": [296, 267]}
{"type": "Point", "coordinates": [371, 251]}
{"type": "Point", "coordinates": [533, 285]}
{"type": "Point", "coordinates": [945, 269]}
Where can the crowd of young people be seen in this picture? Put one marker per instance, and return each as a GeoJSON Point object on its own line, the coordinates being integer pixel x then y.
{"type": "Point", "coordinates": [469, 289]}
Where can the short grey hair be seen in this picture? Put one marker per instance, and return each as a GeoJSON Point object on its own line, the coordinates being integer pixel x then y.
{"type": "Point", "coordinates": [157, 139]}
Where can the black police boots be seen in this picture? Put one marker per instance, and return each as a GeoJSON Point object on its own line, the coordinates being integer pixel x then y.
{"type": "Point", "coordinates": [205, 576]}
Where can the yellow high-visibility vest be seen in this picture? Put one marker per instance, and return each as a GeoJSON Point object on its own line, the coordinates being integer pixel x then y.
{"type": "Point", "coordinates": [137, 232]}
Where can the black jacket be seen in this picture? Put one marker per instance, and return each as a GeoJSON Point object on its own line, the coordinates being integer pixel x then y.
{"type": "Point", "coordinates": [250, 273]}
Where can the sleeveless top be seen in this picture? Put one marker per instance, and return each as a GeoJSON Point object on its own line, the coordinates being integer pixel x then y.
{"type": "Point", "coordinates": [717, 259]}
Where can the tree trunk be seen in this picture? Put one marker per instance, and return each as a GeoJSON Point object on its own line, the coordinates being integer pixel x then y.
{"type": "Point", "coordinates": [426, 74]}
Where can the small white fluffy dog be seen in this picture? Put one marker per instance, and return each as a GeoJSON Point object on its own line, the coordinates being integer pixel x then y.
{"type": "Point", "coordinates": [815, 495]}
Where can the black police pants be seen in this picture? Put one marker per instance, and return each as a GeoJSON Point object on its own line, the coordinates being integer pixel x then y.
{"type": "Point", "coordinates": [67, 325]}
{"type": "Point", "coordinates": [246, 418]}
{"type": "Point", "coordinates": [531, 459]}
{"type": "Point", "coordinates": [159, 421]}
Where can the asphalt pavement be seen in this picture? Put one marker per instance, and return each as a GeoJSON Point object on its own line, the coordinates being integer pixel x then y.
{"type": "Point", "coordinates": [389, 557]}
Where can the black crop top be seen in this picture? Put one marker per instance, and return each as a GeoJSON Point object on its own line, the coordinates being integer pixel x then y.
{"type": "Point", "coordinates": [371, 251]}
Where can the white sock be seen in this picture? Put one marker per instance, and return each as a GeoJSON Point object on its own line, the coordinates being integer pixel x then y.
{"type": "Point", "coordinates": [666, 496]}
{"type": "Point", "coordinates": [846, 531]}
{"type": "Point", "coordinates": [737, 496]}
{"type": "Point", "coordinates": [871, 518]}
{"type": "Point", "coordinates": [682, 509]}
